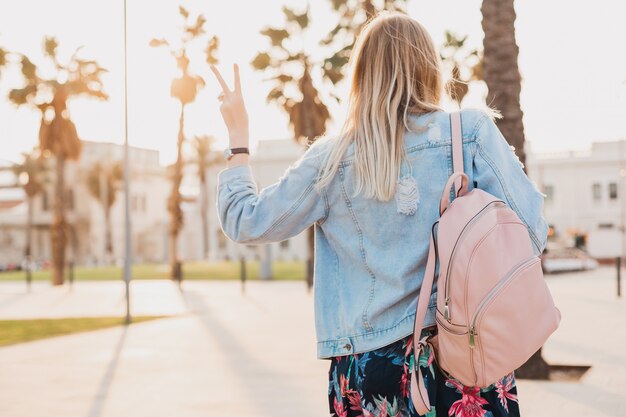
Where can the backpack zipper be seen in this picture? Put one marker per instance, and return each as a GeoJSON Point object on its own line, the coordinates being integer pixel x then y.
{"type": "Point", "coordinates": [487, 300]}
{"type": "Point", "coordinates": [467, 227]}
{"type": "Point", "coordinates": [449, 330]}
{"type": "Point", "coordinates": [494, 291]}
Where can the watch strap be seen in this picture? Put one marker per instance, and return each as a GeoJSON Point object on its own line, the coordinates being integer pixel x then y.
{"type": "Point", "coordinates": [240, 150]}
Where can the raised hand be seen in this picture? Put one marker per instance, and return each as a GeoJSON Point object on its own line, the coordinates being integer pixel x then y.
{"type": "Point", "coordinates": [233, 109]}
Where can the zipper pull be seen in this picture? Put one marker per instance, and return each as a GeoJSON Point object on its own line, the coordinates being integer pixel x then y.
{"type": "Point", "coordinates": [472, 341]}
{"type": "Point", "coordinates": [446, 311]}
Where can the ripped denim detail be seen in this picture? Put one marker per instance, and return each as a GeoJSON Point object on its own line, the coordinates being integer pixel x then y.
{"type": "Point", "coordinates": [407, 194]}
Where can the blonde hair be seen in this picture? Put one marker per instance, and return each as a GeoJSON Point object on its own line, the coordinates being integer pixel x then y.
{"type": "Point", "coordinates": [396, 73]}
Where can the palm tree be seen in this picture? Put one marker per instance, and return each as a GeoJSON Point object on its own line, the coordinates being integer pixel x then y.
{"type": "Point", "coordinates": [57, 133]}
{"type": "Point", "coordinates": [465, 66]}
{"type": "Point", "coordinates": [3, 58]}
{"type": "Point", "coordinates": [353, 15]}
{"type": "Point", "coordinates": [501, 73]}
{"type": "Point", "coordinates": [203, 146]}
{"type": "Point", "coordinates": [290, 70]}
{"type": "Point", "coordinates": [102, 182]}
{"type": "Point", "coordinates": [500, 69]}
{"type": "Point", "coordinates": [184, 89]}
{"type": "Point", "coordinates": [31, 176]}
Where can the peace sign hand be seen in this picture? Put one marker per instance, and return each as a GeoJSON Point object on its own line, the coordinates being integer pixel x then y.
{"type": "Point", "coordinates": [233, 109]}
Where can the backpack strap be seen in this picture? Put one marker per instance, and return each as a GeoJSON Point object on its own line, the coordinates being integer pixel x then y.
{"type": "Point", "coordinates": [419, 395]}
{"type": "Point", "coordinates": [457, 147]}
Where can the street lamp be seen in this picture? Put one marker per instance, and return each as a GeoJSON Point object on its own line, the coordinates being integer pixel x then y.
{"type": "Point", "coordinates": [127, 230]}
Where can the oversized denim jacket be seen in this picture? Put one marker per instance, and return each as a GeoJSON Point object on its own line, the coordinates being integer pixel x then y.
{"type": "Point", "coordinates": [369, 255]}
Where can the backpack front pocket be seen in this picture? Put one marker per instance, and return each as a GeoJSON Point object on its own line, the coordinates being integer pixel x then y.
{"type": "Point", "coordinates": [454, 338]}
{"type": "Point", "coordinates": [505, 316]}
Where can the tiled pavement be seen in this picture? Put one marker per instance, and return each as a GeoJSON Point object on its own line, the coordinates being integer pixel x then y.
{"type": "Point", "coordinates": [253, 354]}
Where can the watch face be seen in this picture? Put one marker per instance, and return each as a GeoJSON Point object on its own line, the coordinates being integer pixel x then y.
{"type": "Point", "coordinates": [228, 153]}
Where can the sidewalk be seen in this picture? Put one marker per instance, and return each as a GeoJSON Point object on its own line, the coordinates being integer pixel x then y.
{"type": "Point", "coordinates": [88, 299]}
{"type": "Point", "coordinates": [225, 353]}
{"type": "Point", "coordinates": [592, 332]}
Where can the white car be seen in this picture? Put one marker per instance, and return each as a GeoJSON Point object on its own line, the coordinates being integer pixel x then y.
{"type": "Point", "coordinates": [567, 259]}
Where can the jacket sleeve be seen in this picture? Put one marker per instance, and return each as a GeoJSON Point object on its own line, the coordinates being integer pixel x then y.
{"type": "Point", "coordinates": [280, 211]}
{"type": "Point", "coordinates": [498, 170]}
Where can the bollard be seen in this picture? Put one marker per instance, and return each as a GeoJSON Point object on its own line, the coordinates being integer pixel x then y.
{"type": "Point", "coordinates": [309, 274]}
{"type": "Point", "coordinates": [29, 271]}
{"type": "Point", "coordinates": [178, 272]}
{"type": "Point", "coordinates": [242, 274]}
{"type": "Point", "coordinates": [619, 276]}
{"type": "Point", "coordinates": [70, 272]}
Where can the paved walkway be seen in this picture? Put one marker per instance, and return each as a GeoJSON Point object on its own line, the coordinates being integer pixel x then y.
{"type": "Point", "coordinates": [253, 354]}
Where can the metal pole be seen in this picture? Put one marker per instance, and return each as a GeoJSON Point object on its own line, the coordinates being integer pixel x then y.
{"type": "Point", "coordinates": [618, 262]}
{"type": "Point", "coordinates": [127, 229]}
{"type": "Point", "coordinates": [621, 196]}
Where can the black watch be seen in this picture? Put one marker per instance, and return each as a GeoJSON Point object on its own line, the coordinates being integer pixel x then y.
{"type": "Point", "coordinates": [230, 152]}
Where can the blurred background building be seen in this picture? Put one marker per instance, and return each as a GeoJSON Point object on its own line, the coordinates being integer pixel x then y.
{"type": "Point", "coordinates": [85, 212]}
{"type": "Point", "coordinates": [268, 162]}
{"type": "Point", "coordinates": [150, 188]}
{"type": "Point", "coordinates": [585, 205]}
{"type": "Point", "coordinates": [586, 193]}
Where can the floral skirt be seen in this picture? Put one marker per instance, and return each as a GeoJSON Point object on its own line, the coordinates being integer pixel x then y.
{"type": "Point", "coordinates": [377, 384]}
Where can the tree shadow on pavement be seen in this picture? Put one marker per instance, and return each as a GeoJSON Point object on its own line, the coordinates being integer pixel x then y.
{"type": "Point", "coordinates": [256, 378]}
{"type": "Point", "coordinates": [100, 398]}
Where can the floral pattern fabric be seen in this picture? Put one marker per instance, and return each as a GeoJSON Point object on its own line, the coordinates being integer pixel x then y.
{"type": "Point", "coordinates": [377, 384]}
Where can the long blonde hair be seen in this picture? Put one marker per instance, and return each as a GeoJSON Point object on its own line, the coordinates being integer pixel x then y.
{"type": "Point", "coordinates": [396, 73]}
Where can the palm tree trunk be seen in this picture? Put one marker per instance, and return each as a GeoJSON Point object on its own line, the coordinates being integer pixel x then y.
{"type": "Point", "coordinates": [204, 216]}
{"type": "Point", "coordinates": [176, 214]}
{"type": "Point", "coordinates": [501, 73]}
{"type": "Point", "coordinates": [59, 226]}
{"type": "Point", "coordinates": [500, 69]}
{"type": "Point", "coordinates": [204, 208]}
{"type": "Point", "coordinates": [108, 235]}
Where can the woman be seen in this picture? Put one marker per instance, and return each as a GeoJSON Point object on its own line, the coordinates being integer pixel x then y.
{"type": "Point", "coordinates": [372, 194]}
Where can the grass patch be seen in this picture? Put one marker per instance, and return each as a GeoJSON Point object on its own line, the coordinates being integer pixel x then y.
{"type": "Point", "coordinates": [18, 331]}
{"type": "Point", "coordinates": [223, 270]}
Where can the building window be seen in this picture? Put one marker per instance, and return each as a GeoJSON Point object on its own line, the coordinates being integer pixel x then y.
{"type": "Point", "coordinates": [605, 226]}
{"type": "Point", "coordinates": [138, 203]}
{"type": "Point", "coordinates": [284, 244]}
{"type": "Point", "coordinates": [596, 190]}
{"type": "Point", "coordinates": [548, 190]}
{"type": "Point", "coordinates": [613, 191]}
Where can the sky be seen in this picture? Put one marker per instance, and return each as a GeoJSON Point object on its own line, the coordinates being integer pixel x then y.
{"type": "Point", "coordinates": [572, 60]}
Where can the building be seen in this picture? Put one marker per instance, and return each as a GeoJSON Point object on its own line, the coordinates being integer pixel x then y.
{"type": "Point", "coordinates": [85, 213]}
{"type": "Point", "coordinates": [150, 188]}
{"type": "Point", "coordinates": [11, 201]}
{"type": "Point", "coordinates": [586, 196]}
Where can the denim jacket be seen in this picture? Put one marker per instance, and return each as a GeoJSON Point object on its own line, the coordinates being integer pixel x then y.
{"type": "Point", "coordinates": [369, 255]}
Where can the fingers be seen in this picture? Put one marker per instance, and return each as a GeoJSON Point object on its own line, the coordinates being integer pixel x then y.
{"type": "Point", "coordinates": [237, 79]}
{"type": "Point", "coordinates": [220, 79]}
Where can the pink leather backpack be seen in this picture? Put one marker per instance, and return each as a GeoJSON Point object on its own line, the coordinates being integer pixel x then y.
{"type": "Point", "coordinates": [494, 309]}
